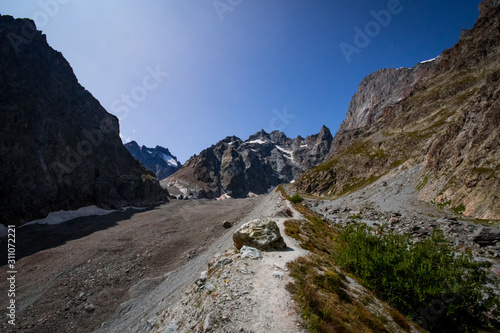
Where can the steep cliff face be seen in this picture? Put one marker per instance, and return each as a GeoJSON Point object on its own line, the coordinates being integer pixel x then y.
{"type": "Point", "coordinates": [443, 115]}
{"type": "Point", "coordinates": [382, 89]}
{"type": "Point", "coordinates": [59, 148]}
{"type": "Point", "coordinates": [236, 168]}
{"type": "Point", "coordinates": [158, 159]}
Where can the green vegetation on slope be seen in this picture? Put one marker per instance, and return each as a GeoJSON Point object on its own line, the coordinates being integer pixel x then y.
{"type": "Point", "coordinates": [427, 281]}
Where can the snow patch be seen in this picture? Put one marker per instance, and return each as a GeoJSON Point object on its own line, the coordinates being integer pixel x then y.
{"type": "Point", "coordinates": [259, 141]}
{"type": "Point", "coordinates": [284, 150]}
{"type": "Point", "coordinates": [66, 215]}
{"type": "Point", "coordinates": [423, 62]}
{"type": "Point", "coordinates": [169, 159]}
{"type": "Point", "coordinates": [292, 182]}
{"type": "Point", "coordinates": [303, 146]}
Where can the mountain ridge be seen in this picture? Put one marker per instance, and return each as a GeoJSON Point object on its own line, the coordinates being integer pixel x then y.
{"type": "Point", "coordinates": [240, 168]}
{"type": "Point", "coordinates": [448, 121]}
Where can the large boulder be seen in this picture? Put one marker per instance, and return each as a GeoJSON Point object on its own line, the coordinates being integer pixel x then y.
{"type": "Point", "coordinates": [486, 236]}
{"type": "Point", "coordinates": [262, 234]}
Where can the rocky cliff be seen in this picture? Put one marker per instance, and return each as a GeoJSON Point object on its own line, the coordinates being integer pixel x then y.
{"type": "Point", "coordinates": [59, 148]}
{"type": "Point", "coordinates": [237, 168]}
{"type": "Point", "coordinates": [443, 115]}
{"type": "Point", "coordinates": [158, 159]}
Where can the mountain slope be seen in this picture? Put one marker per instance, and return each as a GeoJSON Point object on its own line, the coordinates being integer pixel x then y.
{"type": "Point", "coordinates": [59, 148]}
{"type": "Point", "coordinates": [238, 168]}
{"type": "Point", "coordinates": [158, 159]}
{"type": "Point", "coordinates": [443, 115]}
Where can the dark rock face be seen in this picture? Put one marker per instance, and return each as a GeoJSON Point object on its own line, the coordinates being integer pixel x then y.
{"type": "Point", "coordinates": [237, 168]}
{"type": "Point", "coordinates": [443, 115]}
{"type": "Point", "coordinates": [158, 159]}
{"type": "Point", "coordinates": [59, 148]}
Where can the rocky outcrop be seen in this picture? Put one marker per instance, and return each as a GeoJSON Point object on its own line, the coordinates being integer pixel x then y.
{"type": "Point", "coordinates": [262, 234]}
{"type": "Point", "coordinates": [59, 148]}
{"type": "Point", "coordinates": [158, 159]}
{"type": "Point", "coordinates": [381, 90]}
{"type": "Point", "coordinates": [238, 168]}
{"type": "Point", "coordinates": [443, 115]}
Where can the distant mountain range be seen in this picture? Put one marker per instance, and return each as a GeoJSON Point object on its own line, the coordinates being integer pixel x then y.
{"type": "Point", "coordinates": [61, 150]}
{"type": "Point", "coordinates": [158, 159]}
{"type": "Point", "coordinates": [238, 168]}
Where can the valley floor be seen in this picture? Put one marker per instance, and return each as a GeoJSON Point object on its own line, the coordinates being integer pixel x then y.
{"type": "Point", "coordinates": [72, 277]}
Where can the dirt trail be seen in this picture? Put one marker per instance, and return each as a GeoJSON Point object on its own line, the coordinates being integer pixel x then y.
{"type": "Point", "coordinates": [248, 295]}
{"type": "Point", "coordinates": [73, 277]}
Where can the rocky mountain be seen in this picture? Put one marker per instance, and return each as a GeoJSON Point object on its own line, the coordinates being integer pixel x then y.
{"type": "Point", "coordinates": [59, 148]}
{"type": "Point", "coordinates": [238, 168]}
{"type": "Point", "coordinates": [441, 116]}
{"type": "Point", "coordinates": [158, 159]}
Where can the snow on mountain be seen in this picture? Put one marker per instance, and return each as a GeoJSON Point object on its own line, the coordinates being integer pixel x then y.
{"type": "Point", "coordinates": [158, 159]}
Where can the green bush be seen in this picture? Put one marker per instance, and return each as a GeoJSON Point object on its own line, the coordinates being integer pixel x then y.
{"type": "Point", "coordinates": [296, 198]}
{"type": "Point", "coordinates": [427, 281]}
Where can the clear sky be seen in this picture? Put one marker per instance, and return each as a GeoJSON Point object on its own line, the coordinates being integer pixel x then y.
{"type": "Point", "coordinates": [186, 74]}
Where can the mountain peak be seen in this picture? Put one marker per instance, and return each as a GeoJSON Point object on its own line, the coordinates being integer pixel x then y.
{"type": "Point", "coordinates": [159, 159]}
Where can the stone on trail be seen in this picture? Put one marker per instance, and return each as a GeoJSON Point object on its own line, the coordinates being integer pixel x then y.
{"type": "Point", "coordinates": [262, 234]}
{"type": "Point", "coordinates": [250, 252]}
{"type": "Point", "coordinates": [278, 274]}
{"type": "Point", "coordinates": [203, 276]}
{"type": "Point", "coordinates": [210, 287]}
{"type": "Point", "coordinates": [209, 322]}
{"type": "Point", "coordinates": [223, 262]}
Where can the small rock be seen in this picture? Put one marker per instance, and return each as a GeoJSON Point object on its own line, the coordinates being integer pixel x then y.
{"type": "Point", "coordinates": [223, 262]}
{"type": "Point", "coordinates": [172, 327]}
{"type": "Point", "coordinates": [209, 322]}
{"type": "Point", "coordinates": [149, 325]}
{"type": "Point", "coordinates": [209, 286]}
{"type": "Point", "coordinates": [203, 276]}
{"type": "Point", "coordinates": [250, 252]}
{"type": "Point", "coordinates": [394, 220]}
{"type": "Point", "coordinates": [486, 236]}
{"type": "Point", "coordinates": [227, 224]}
{"type": "Point", "coordinates": [278, 274]}
{"type": "Point", "coordinates": [89, 307]}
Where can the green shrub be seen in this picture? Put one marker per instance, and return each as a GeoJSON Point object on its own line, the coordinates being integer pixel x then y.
{"type": "Point", "coordinates": [427, 281]}
{"type": "Point", "coordinates": [296, 198]}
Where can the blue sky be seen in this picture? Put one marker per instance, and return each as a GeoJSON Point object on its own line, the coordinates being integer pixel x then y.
{"type": "Point", "coordinates": [186, 74]}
